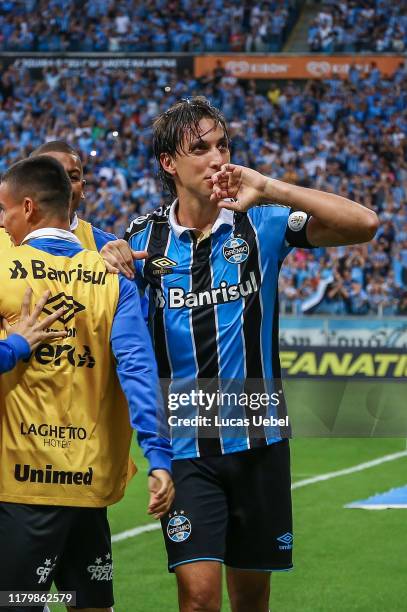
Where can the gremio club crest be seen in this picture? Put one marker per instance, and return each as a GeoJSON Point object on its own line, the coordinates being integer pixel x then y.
{"type": "Point", "coordinates": [179, 527]}
{"type": "Point", "coordinates": [235, 250]}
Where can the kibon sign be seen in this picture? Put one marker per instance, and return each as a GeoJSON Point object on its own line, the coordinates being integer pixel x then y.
{"type": "Point", "coordinates": [294, 67]}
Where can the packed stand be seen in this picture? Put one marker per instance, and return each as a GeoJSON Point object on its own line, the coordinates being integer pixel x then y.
{"type": "Point", "coordinates": [346, 137]}
{"type": "Point", "coordinates": [353, 27]}
{"type": "Point", "coordinates": [145, 26]}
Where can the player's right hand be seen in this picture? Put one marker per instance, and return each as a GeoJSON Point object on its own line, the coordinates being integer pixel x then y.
{"type": "Point", "coordinates": [162, 493]}
{"type": "Point", "coordinates": [238, 188]}
{"type": "Point", "coordinates": [30, 327]}
{"type": "Point", "coordinates": [119, 257]}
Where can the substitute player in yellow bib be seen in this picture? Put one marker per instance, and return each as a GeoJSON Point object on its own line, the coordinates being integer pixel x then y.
{"type": "Point", "coordinates": [64, 424]}
{"type": "Point", "coordinates": [90, 237]}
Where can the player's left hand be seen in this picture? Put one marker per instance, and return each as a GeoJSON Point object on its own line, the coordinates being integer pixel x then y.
{"type": "Point", "coordinates": [162, 493]}
{"type": "Point", "coordinates": [246, 187]}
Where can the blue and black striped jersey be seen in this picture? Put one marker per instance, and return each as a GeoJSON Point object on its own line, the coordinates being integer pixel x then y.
{"type": "Point", "coordinates": [214, 316]}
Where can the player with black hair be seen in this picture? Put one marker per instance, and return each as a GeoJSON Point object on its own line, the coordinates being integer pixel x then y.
{"type": "Point", "coordinates": [64, 420]}
{"type": "Point", "coordinates": [90, 236]}
{"type": "Point", "coordinates": [214, 257]}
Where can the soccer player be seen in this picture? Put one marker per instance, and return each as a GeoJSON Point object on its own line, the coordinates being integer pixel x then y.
{"type": "Point", "coordinates": [212, 275]}
{"type": "Point", "coordinates": [28, 333]}
{"type": "Point", "coordinates": [89, 236]}
{"type": "Point", "coordinates": [63, 416]}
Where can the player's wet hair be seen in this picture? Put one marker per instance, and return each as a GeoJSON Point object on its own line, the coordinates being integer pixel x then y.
{"type": "Point", "coordinates": [179, 121]}
{"type": "Point", "coordinates": [44, 180]}
{"type": "Point", "coordinates": [56, 146]}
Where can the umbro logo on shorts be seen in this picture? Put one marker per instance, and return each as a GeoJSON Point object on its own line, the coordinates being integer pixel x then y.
{"type": "Point", "coordinates": [286, 541]}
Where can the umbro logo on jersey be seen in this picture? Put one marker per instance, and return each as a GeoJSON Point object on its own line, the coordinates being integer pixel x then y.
{"type": "Point", "coordinates": [160, 265]}
{"type": "Point", "coordinates": [68, 302]}
{"type": "Point", "coordinates": [18, 271]}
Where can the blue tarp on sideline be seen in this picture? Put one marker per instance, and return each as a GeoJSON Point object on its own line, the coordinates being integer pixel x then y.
{"type": "Point", "coordinates": [395, 498]}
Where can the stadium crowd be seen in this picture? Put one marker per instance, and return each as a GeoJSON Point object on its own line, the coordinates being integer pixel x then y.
{"type": "Point", "coordinates": [367, 25]}
{"type": "Point", "coordinates": [342, 136]}
{"type": "Point", "coordinates": [148, 25]}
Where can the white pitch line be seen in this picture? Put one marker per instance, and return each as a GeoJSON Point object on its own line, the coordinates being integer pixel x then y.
{"type": "Point", "coordinates": [131, 533]}
{"type": "Point", "coordinates": [356, 468]}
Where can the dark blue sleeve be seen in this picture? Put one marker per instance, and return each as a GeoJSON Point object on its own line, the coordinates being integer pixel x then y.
{"type": "Point", "coordinates": [137, 371]}
{"type": "Point", "coordinates": [102, 237]}
{"type": "Point", "coordinates": [11, 350]}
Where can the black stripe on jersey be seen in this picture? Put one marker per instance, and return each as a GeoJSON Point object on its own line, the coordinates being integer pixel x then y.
{"type": "Point", "coordinates": [275, 357]}
{"type": "Point", "coordinates": [160, 234]}
{"type": "Point", "coordinates": [252, 317]}
{"type": "Point", "coordinates": [159, 215]}
{"type": "Point", "coordinates": [205, 341]}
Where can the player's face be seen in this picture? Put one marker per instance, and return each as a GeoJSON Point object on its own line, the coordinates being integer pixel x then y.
{"type": "Point", "coordinates": [73, 168]}
{"type": "Point", "coordinates": [204, 155]}
{"type": "Point", "coordinates": [14, 214]}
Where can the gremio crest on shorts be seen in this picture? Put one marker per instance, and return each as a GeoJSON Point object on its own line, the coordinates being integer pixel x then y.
{"type": "Point", "coordinates": [235, 250]}
{"type": "Point", "coordinates": [179, 527]}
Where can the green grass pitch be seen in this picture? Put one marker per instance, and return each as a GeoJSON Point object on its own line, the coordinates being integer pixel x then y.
{"type": "Point", "coordinates": [344, 559]}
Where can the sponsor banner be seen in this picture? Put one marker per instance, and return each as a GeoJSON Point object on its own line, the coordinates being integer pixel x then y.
{"type": "Point", "coordinates": [343, 332]}
{"type": "Point", "coordinates": [355, 363]}
{"type": "Point", "coordinates": [99, 60]}
{"type": "Point", "coordinates": [294, 67]}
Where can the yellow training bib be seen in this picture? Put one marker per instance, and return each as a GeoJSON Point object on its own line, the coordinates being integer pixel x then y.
{"type": "Point", "coordinates": [64, 424]}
